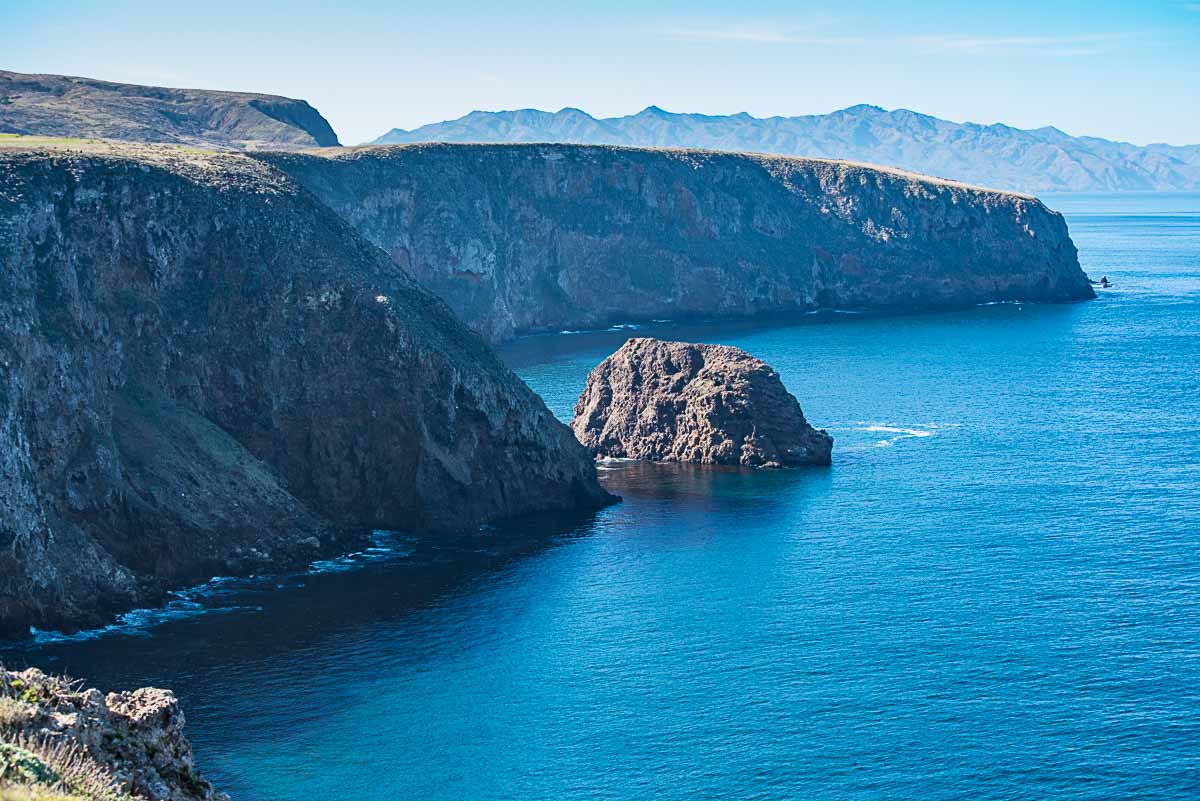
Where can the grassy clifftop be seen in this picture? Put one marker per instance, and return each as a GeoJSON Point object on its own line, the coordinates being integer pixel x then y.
{"type": "Point", "coordinates": [66, 106]}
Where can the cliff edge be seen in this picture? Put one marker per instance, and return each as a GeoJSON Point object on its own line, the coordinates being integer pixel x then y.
{"type": "Point", "coordinates": [66, 106]}
{"type": "Point", "coordinates": [60, 742]}
{"type": "Point", "coordinates": [206, 372]}
{"type": "Point", "coordinates": [524, 238]}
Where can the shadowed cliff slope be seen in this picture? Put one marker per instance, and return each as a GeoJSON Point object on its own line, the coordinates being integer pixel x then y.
{"type": "Point", "coordinates": [205, 371]}
{"type": "Point", "coordinates": [522, 238]}
{"type": "Point", "coordinates": [60, 105]}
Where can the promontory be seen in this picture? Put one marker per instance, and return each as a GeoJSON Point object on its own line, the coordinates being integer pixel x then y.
{"type": "Point", "coordinates": [205, 371]}
{"type": "Point", "coordinates": [525, 238]}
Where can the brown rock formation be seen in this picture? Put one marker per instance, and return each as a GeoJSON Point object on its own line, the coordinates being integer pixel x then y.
{"type": "Point", "coordinates": [680, 402]}
{"type": "Point", "coordinates": [132, 741]}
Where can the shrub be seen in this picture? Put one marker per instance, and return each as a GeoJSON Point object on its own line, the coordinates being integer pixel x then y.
{"type": "Point", "coordinates": [16, 714]}
{"type": "Point", "coordinates": [22, 766]}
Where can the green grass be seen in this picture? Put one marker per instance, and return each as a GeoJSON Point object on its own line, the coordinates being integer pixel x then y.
{"type": "Point", "coordinates": [21, 140]}
{"type": "Point", "coordinates": [11, 141]}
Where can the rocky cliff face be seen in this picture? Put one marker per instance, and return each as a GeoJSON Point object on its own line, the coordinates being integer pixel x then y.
{"type": "Point", "coordinates": [522, 238]}
{"type": "Point", "coordinates": [683, 402]}
{"type": "Point", "coordinates": [91, 746]}
{"type": "Point", "coordinates": [64, 106]}
{"type": "Point", "coordinates": [205, 371]}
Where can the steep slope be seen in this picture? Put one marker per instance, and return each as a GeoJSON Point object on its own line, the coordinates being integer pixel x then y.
{"type": "Point", "coordinates": [205, 371]}
{"type": "Point", "coordinates": [64, 106]}
{"type": "Point", "coordinates": [522, 238]}
{"type": "Point", "coordinates": [1041, 160]}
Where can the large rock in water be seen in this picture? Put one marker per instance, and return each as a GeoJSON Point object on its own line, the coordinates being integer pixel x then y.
{"type": "Point", "coordinates": [203, 370]}
{"type": "Point", "coordinates": [680, 402]}
{"type": "Point", "coordinates": [522, 238]}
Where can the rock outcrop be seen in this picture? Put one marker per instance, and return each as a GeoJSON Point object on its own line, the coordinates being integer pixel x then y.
{"type": "Point", "coordinates": [681, 402]}
{"type": "Point", "coordinates": [204, 371]}
{"type": "Point", "coordinates": [65, 106]}
{"type": "Point", "coordinates": [83, 742]}
{"type": "Point", "coordinates": [524, 238]}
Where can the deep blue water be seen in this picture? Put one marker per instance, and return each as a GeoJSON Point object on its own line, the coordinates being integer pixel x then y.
{"type": "Point", "coordinates": [994, 593]}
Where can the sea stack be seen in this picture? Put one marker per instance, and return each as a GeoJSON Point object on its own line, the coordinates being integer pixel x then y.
{"type": "Point", "coordinates": [684, 402]}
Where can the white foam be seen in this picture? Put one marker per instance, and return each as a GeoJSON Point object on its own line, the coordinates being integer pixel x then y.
{"type": "Point", "coordinates": [898, 432]}
{"type": "Point", "coordinates": [191, 602]}
{"type": "Point", "coordinates": [911, 432]}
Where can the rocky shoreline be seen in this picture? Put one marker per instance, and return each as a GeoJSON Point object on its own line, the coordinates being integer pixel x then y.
{"type": "Point", "coordinates": [207, 372]}
{"type": "Point", "coordinates": [228, 364]}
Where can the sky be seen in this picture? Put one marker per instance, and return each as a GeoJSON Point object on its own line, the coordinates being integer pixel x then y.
{"type": "Point", "coordinates": [1121, 70]}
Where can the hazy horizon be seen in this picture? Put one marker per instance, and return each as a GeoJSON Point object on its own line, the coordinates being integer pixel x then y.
{"type": "Point", "coordinates": [762, 117]}
{"type": "Point", "coordinates": [1105, 69]}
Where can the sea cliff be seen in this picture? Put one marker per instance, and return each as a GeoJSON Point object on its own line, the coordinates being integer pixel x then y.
{"type": "Point", "coordinates": [205, 371]}
{"type": "Point", "coordinates": [526, 238]}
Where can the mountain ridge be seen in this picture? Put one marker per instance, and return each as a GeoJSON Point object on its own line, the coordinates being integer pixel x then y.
{"type": "Point", "coordinates": [995, 155]}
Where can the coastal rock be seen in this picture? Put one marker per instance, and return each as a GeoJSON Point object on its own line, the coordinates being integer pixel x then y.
{"type": "Point", "coordinates": [133, 740]}
{"type": "Point", "coordinates": [531, 237]}
{"type": "Point", "coordinates": [682, 402]}
{"type": "Point", "coordinates": [204, 371]}
{"type": "Point", "coordinates": [65, 106]}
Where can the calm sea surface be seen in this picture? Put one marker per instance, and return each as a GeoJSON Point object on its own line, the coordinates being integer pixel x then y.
{"type": "Point", "coordinates": [994, 593]}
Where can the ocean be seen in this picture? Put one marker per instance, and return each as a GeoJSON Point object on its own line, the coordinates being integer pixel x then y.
{"type": "Point", "coordinates": [993, 593]}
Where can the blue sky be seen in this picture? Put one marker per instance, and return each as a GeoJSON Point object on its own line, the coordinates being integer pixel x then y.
{"type": "Point", "coordinates": [1122, 70]}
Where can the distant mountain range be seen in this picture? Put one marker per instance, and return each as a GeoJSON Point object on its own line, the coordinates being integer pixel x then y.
{"type": "Point", "coordinates": [66, 106]}
{"type": "Point", "coordinates": [1039, 160]}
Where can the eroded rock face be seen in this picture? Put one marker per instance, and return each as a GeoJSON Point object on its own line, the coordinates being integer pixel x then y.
{"type": "Point", "coordinates": [681, 402]}
{"type": "Point", "coordinates": [204, 371]}
{"type": "Point", "coordinates": [523, 238]}
{"type": "Point", "coordinates": [137, 737]}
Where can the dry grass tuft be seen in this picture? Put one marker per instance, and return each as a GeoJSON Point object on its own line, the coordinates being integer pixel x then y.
{"type": "Point", "coordinates": [48, 766]}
